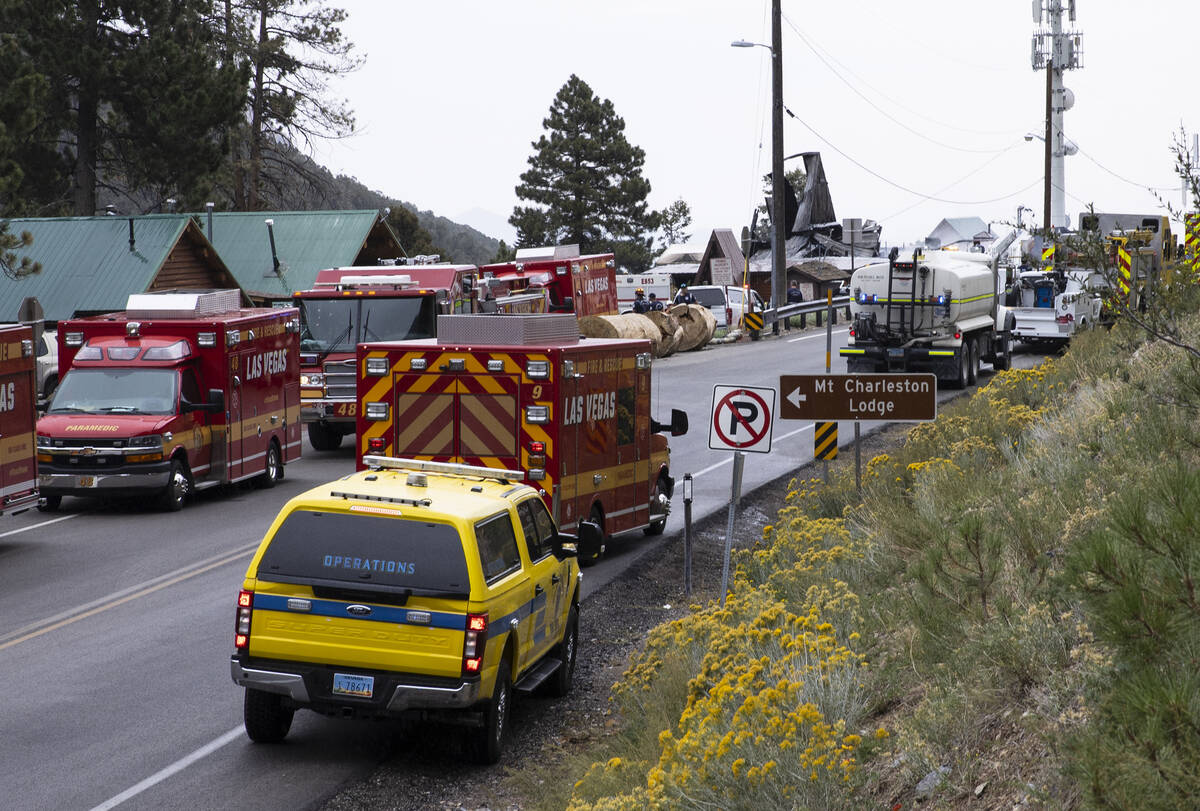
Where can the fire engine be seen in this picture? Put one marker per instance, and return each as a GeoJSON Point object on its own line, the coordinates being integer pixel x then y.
{"type": "Point", "coordinates": [350, 305]}
{"type": "Point", "coordinates": [584, 285]}
{"type": "Point", "coordinates": [180, 392]}
{"type": "Point", "coordinates": [18, 463]}
{"type": "Point", "coordinates": [527, 393]}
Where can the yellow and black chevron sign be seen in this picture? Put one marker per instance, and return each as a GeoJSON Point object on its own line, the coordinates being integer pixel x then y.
{"type": "Point", "coordinates": [754, 321]}
{"type": "Point", "coordinates": [825, 445]}
{"type": "Point", "coordinates": [1124, 268]}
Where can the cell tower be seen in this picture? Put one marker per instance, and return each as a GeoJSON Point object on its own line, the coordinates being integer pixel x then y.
{"type": "Point", "coordinates": [1056, 50]}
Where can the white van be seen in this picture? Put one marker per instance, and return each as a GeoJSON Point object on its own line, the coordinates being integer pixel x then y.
{"type": "Point", "coordinates": [727, 303]}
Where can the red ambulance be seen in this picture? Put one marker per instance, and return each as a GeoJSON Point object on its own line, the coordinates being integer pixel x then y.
{"type": "Point", "coordinates": [178, 393]}
{"type": "Point", "coordinates": [526, 393]}
{"type": "Point", "coordinates": [18, 463]}
{"type": "Point", "coordinates": [584, 285]}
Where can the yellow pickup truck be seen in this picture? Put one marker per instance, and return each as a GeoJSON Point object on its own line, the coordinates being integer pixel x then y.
{"type": "Point", "coordinates": [410, 588]}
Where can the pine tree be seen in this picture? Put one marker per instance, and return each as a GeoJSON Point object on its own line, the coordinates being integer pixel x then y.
{"type": "Point", "coordinates": [673, 223]}
{"type": "Point", "coordinates": [585, 182]}
{"type": "Point", "coordinates": [135, 91]}
{"type": "Point", "coordinates": [292, 46]}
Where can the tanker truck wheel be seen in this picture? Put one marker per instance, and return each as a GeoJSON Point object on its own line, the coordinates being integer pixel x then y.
{"type": "Point", "coordinates": [964, 363]}
{"type": "Point", "coordinates": [973, 367]}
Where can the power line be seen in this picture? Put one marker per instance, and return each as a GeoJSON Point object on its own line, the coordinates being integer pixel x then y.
{"type": "Point", "coordinates": [883, 112]}
{"type": "Point", "coordinates": [875, 174]}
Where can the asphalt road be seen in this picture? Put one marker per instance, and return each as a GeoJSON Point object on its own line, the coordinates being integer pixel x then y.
{"type": "Point", "coordinates": [116, 622]}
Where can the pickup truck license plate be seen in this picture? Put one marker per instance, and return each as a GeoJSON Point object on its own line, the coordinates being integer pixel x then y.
{"type": "Point", "coordinates": [87, 481]}
{"type": "Point", "coordinates": [349, 685]}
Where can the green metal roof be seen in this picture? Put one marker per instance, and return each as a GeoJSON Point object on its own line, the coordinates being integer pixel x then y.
{"type": "Point", "coordinates": [88, 263]}
{"type": "Point", "coordinates": [305, 242]}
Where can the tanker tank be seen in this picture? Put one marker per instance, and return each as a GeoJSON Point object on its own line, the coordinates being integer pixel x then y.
{"type": "Point", "coordinates": [953, 289]}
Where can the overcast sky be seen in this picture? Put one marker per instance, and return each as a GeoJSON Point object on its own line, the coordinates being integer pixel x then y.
{"type": "Point", "coordinates": [904, 100]}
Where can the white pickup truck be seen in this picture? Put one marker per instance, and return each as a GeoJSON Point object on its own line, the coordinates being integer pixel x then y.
{"type": "Point", "coordinates": [1050, 307]}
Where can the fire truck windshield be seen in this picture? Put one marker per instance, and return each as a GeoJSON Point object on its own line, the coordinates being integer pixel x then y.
{"type": "Point", "coordinates": [333, 325]}
{"type": "Point", "coordinates": [117, 391]}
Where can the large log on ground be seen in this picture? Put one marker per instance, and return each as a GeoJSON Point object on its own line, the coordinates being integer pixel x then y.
{"type": "Point", "coordinates": [698, 324]}
{"type": "Point", "coordinates": [671, 329]}
{"type": "Point", "coordinates": [629, 325]}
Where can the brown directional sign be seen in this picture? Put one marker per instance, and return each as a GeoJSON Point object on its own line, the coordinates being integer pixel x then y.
{"type": "Point", "coordinates": [890, 397]}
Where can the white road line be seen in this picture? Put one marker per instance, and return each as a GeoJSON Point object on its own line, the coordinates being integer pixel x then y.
{"type": "Point", "coordinates": [41, 524]}
{"type": "Point", "coordinates": [816, 335]}
{"type": "Point", "coordinates": [729, 459]}
{"type": "Point", "coordinates": [41, 626]}
{"type": "Point", "coordinates": [176, 767]}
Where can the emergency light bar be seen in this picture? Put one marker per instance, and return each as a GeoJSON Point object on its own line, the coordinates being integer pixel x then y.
{"type": "Point", "coordinates": [447, 468]}
{"type": "Point", "coordinates": [374, 281]}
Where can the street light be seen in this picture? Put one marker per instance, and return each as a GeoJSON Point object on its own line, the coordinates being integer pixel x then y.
{"type": "Point", "coordinates": [778, 227]}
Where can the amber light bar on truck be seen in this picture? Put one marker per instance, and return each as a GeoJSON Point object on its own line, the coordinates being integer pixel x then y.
{"type": "Point", "coordinates": [241, 631]}
{"type": "Point", "coordinates": [446, 468]}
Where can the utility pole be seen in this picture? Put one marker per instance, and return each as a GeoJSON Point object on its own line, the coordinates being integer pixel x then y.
{"type": "Point", "coordinates": [779, 228]}
{"type": "Point", "coordinates": [1056, 51]}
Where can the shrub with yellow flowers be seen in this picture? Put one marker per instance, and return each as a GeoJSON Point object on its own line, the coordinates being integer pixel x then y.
{"type": "Point", "coordinates": [771, 706]}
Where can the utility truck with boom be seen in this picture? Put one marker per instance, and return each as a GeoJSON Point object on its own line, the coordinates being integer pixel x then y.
{"type": "Point", "coordinates": [939, 312]}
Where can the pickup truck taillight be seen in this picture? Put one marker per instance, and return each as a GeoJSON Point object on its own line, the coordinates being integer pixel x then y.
{"type": "Point", "coordinates": [473, 644]}
{"type": "Point", "coordinates": [241, 632]}
{"type": "Point", "coordinates": [1065, 319]}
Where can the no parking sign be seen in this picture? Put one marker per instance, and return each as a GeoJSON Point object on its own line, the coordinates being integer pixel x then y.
{"type": "Point", "coordinates": [742, 419]}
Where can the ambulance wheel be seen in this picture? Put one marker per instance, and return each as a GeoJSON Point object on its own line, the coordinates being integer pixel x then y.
{"type": "Point", "coordinates": [485, 746]}
{"type": "Point", "coordinates": [589, 556]}
{"type": "Point", "coordinates": [176, 491]}
{"type": "Point", "coordinates": [324, 437]}
{"type": "Point", "coordinates": [657, 527]}
{"type": "Point", "coordinates": [973, 367]}
{"type": "Point", "coordinates": [265, 717]}
{"type": "Point", "coordinates": [274, 471]}
{"type": "Point", "coordinates": [49, 504]}
{"type": "Point", "coordinates": [560, 685]}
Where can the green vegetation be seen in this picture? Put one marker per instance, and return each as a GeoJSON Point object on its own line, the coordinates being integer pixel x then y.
{"type": "Point", "coordinates": [1011, 603]}
{"type": "Point", "coordinates": [585, 184]}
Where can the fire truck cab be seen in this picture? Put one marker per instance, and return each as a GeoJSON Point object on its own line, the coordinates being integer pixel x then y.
{"type": "Point", "coordinates": [180, 392]}
{"type": "Point", "coordinates": [584, 285]}
{"type": "Point", "coordinates": [351, 305]}
{"type": "Point", "coordinates": [18, 462]}
{"type": "Point", "coordinates": [527, 393]}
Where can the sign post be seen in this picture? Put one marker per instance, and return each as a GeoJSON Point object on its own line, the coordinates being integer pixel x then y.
{"type": "Point", "coordinates": [742, 421]}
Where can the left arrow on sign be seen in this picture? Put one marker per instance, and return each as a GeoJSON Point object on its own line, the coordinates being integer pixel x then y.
{"type": "Point", "coordinates": [796, 398]}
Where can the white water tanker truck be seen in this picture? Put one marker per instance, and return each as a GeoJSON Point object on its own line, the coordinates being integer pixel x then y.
{"type": "Point", "coordinates": [939, 312]}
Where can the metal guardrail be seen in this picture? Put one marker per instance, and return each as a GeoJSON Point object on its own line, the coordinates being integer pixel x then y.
{"type": "Point", "coordinates": [772, 314]}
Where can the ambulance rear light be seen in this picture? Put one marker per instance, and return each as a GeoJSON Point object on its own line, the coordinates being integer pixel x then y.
{"type": "Point", "coordinates": [26, 349]}
{"type": "Point", "coordinates": [377, 411]}
{"type": "Point", "coordinates": [537, 369]}
{"type": "Point", "coordinates": [233, 338]}
{"type": "Point", "coordinates": [418, 365]}
{"type": "Point", "coordinates": [292, 325]}
{"type": "Point", "coordinates": [89, 353]}
{"type": "Point", "coordinates": [457, 364]}
{"type": "Point", "coordinates": [537, 474]}
{"type": "Point", "coordinates": [537, 447]}
{"type": "Point", "coordinates": [377, 367]}
{"type": "Point", "coordinates": [376, 444]}
{"type": "Point", "coordinates": [495, 366]}
{"type": "Point", "coordinates": [241, 631]}
{"type": "Point", "coordinates": [176, 351]}
{"type": "Point", "coordinates": [133, 329]}
{"type": "Point", "coordinates": [561, 270]}
{"type": "Point", "coordinates": [537, 414]}
{"type": "Point", "coordinates": [642, 361]}
{"type": "Point", "coordinates": [473, 643]}
{"type": "Point", "coordinates": [206, 339]}
{"type": "Point", "coordinates": [74, 339]}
